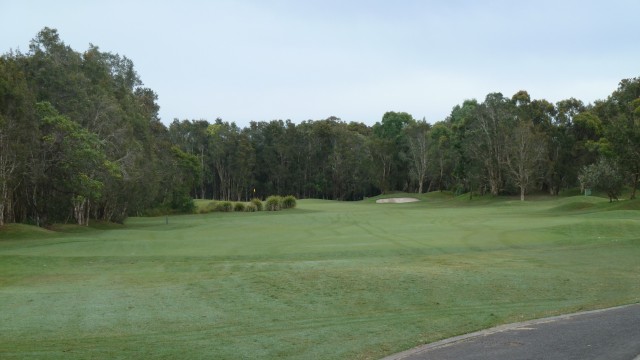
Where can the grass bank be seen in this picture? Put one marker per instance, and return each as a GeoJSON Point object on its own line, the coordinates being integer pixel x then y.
{"type": "Point", "coordinates": [326, 280]}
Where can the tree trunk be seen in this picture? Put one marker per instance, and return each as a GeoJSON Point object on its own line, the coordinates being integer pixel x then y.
{"type": "Point", "coordinates": [493, 185]}
{"type": "Point", "coordinates": [88, 213]}
{"type": "Point", "coordinates": [3, 199]}
{"type": "Point", "coordinates": [81, 210]}
{"type": "Point", "coordinates": [202, 186]}
{"type": "Point", "coordinates": [441, 174]}
{"type": "Point", "coordinates": [521, 193]}
{"type": "Point", "coordinates": [635, 185]}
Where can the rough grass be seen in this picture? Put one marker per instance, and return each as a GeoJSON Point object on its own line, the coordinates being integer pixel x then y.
{"type": "Point", "coordinates": [326, 280]}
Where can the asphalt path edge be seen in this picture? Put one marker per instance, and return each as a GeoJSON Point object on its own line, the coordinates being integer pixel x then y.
{"type": "Point", "coordinates": [493, 330]}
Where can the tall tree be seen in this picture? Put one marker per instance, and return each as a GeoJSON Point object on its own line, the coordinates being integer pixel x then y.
{"type": "Point", "coordinates": [74, 164]}
{"type": "Point", "coordinates": [17, 135]}
{"type": "Point", "coordinates": [465, 171]}
{"type": "Point", "coordinates": [492, 121]}
{"type": "Point", "coordinates": [233, 158]}
{"type": "Point", "coordinates": [524, 154]}
{"type": "Point", "coordinates": [388, 146]}
{"type": "Point", "coordinates": [419, 141]}
{"type": "Point", "coordinates": [621, 112]}
{"type": "Point", "coordinates": [441, 153]}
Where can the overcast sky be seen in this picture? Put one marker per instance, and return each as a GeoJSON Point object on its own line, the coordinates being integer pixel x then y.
{"type": "Point", "coordinates": [244, 60]}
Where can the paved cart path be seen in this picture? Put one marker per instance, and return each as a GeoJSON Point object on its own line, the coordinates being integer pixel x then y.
{"type": "Point", "coordinates": [612, 334]}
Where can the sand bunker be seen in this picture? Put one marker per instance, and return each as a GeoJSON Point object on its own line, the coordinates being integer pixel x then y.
{"type": "Point", "coordinates": [396, 200]}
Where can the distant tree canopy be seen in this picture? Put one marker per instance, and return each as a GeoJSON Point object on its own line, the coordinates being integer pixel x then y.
{"type": "Point", "coordinates": [80, 139]}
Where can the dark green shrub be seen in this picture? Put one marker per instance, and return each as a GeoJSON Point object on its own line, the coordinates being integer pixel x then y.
{"type": "Point", "coordinates": [153, 212]}
{"type": "Point", "coordinates": [183, 204]}
{"type": "Point", "coordinates": [289, 202]}
{"type": "Point", "coordinates": [273, 203]}
{"type": "Point", "coordinates": [251, 207]}
{"type": "Point", "coordinates": [238, 206]}
{"type": "Point", "coordinates": [225, 206]}
{"type": "Point", "coordinates": [257, 203]}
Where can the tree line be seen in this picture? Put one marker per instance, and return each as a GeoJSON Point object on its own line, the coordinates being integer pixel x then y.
{"type": "Point", "coordinates": [81, 138]}
{"type": "Point", "coordinates": [502, 145]}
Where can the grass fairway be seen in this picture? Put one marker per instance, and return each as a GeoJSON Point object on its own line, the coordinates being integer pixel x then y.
{"type": "Point", "coordinates": [327, 280]}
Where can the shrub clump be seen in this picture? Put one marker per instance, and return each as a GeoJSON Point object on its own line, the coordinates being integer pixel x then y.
{"type": "Point", "coordinates": [257, 203]}
{"type": "Point", "coordinates": [183, 204]}
{"type": "Point", "coordinates": [273, 203]}
{"type": "Point", "coordinates": [225, 206]}
{"type": "Point", "coordinates": [210, 207]}
{"type": "Point", "coordinates": [289, 202]}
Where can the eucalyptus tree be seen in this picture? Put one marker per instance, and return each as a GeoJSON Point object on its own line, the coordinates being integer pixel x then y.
{"type": "Point", "coordinates": [349, 163]}
{"type": "Point", "coordinates": [184, 178]}
{"type": "Point", "coordinates": [389, 148]}
{"type": "Point", "coordinates": [492, 122]}
{"type": "Point", "coordinates": [419, 141]}
{"type": "Point", "coordinates": [528, 159]}
{"type": "Point", "coordinates": [95, 149]}
{"type": "Point", "coordinates": [326, 162]}
{"type": "Point", "coordinates": [555, 133]}
{"type": "Point", "coordinates": [567, 109]}
{"type": "Point", "coordinates": [525, 151]}
{"type": "Point", "coordinates": [74, 166]}
{"type": "Point", "coordinates": [621, 117]}
{"type": "Point", "coordinates": [18, 135]}
{"type": "Point", "coordinates": [191, 137]}
{"type": "Point", "coordinates": [587, 130]}
{"type": "Point", "coordinates": [465, 173]}
{"type": "Point", "coordinates": [442, 154]}
{"type": "Point", "coordinates": [233, 157]}
{"type": "Point", "coordinates": [8, 165]}
{"type": "Point", "coordinates": [273, 155]}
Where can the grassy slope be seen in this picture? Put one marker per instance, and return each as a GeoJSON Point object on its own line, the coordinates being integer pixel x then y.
{"type": "Point", "coordinates": [326, 280]}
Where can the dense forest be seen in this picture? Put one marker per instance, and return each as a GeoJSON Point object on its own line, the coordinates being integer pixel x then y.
{"type": "Point", "coordinates": [81, 139]}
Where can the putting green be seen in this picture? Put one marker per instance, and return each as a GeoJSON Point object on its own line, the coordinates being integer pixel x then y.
{"type": "Point", "coordinates": [328, 280]}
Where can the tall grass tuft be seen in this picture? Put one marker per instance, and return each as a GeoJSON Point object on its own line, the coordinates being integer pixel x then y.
{"type": "Point", "coordinates": [289, 202]}
{"type": "Point", "coordinates": [225, 206]}
{"type": "Point", "coordinates": [257, 203]}
{"type": "Point", "coordinates": [273, 203]}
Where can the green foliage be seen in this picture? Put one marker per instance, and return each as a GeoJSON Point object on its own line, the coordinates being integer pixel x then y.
{"type": "Point", "coordinates": [289, 202]}
{"type": "Point", "coordinates": [157, 211]}
{"type": "Point", "coordinates": [257, 203]}
{"type": "Point", "coordinates": [80, 136]}
{"type": "Point", "coordinates": [603, 175]}
{"type": "Point", "coordinates": [392, 125]}
{"type": "Point", "coordinates": [250, 207]}
{"type": "Point", "coordinates": [183, 204]}
{"type": "Point", "coordinates": [85, 138]}
{"type": "Point", "coordinates": [231, 155]}
{"type": "Point", "coordinates": [273, 203]}
{"type": "Point", "coordinates": [239, 207]}
{"type": "Point", "coordinates": [211, 206]}
{"type": "Point", "coordinates": [224, 206]}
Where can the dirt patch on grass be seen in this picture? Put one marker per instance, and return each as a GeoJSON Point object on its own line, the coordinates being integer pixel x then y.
{"type": "Point", "coordinates": [396, 200]}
